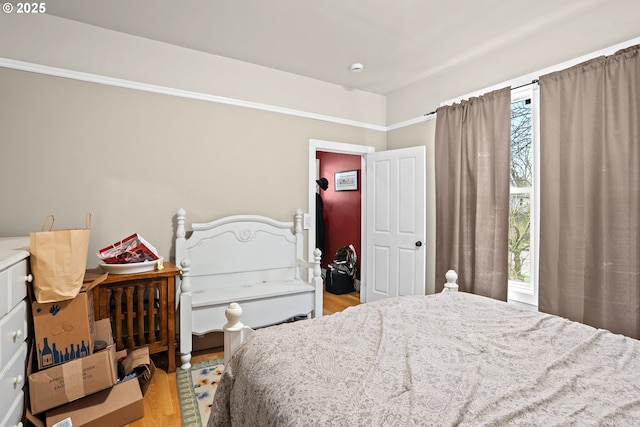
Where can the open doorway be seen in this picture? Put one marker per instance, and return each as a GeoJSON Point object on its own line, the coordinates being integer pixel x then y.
{"type": "Point", "coordinates": [342, 207]}
{"type": "Point", "coordinates": [338, 227]}
{"type": "Point", "coordinates": [345, 157]}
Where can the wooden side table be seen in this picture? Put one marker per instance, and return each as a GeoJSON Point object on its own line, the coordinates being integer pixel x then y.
{"type": "Point", "coordinates": [141, 307]}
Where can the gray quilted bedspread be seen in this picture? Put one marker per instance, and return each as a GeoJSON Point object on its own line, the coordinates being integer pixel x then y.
{"type": "Point", "coordinates": [450, 359]}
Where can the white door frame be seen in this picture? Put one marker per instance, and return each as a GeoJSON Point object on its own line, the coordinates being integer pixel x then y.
{"type": "Point", "coordinates": [316, 145]}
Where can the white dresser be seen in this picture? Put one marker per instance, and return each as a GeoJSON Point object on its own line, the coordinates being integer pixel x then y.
{"type": "Point", "coordinates": [14, 275]}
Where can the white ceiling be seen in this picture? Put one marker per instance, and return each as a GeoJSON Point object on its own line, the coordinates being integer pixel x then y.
{"type": "Point", "coordinates": [400, 42]}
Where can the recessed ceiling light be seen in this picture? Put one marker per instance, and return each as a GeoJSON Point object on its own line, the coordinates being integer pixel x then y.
{"type": "Point", "coordinates": [356, 68]}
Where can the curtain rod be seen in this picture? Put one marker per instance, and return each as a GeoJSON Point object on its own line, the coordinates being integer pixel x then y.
{"type": "Point", "coordinates": [532, 82]}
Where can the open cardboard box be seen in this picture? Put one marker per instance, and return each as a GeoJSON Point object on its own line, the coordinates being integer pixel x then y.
{"type": "Point", "coordinates": [77, 378]}
{"type": "Point", "coordinates": [118, 405]}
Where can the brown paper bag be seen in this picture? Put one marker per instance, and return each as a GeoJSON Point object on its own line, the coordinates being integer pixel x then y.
{"type": "Point", "coordinates": [58, 261]}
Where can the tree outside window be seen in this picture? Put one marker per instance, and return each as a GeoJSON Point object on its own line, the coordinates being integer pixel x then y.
{"type": "Point", "coordinates": [521, 190]}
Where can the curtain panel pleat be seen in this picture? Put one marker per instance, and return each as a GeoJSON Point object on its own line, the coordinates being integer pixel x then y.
{"type": "Point", "coordinates": [472, 164]}
{"type": "Point", "coordinates": [590, 192]}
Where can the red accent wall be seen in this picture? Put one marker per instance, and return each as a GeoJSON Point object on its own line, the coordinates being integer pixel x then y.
{"type": "Point", "coordinates": [342, 209]}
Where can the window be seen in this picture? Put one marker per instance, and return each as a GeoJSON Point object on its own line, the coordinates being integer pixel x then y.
{"type": "Point", "coordinates": [522, 203]}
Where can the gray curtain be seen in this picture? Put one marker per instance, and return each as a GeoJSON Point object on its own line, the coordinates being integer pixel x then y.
{"type": "Point", "coordinates": [590, 193]}
{"type": "Point", "coordinates": [472, 164]}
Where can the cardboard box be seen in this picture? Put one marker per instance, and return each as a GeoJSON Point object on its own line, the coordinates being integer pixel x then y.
{"type": "Point", "coordinates": [64, 330]}
{"type": "Point", "coordinates": [117, 406]}
{"type": "Point", "coordinates": [77, 378]}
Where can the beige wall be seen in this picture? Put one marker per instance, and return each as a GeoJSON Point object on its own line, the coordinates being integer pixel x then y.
{"type": "Point", "coordinates": [132, 158]}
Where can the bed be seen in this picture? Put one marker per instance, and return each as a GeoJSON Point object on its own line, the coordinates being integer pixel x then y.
{"type": "Point", "coordinates": [447, 359]}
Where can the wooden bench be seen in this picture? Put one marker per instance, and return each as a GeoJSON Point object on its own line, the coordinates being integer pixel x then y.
{"type": "Point", "coordinates": [248, 259]}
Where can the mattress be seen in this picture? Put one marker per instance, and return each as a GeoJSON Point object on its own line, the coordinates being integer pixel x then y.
{"type": "Point", "coordinates": [438, 360]}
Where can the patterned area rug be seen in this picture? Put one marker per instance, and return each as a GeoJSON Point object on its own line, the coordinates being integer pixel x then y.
{"type": "Point", "coordinates": [196, 387]}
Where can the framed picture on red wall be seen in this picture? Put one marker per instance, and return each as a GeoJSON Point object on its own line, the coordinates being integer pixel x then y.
{"type": "Point", "coordinates": [346, 180]}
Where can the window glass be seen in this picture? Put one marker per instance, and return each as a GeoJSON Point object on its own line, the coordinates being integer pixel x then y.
{"type": "Point", "coordinates": [521, 147]}
{"type": "Point", "coordinates": [519, 237]}
{"type": "Point", "coordinates": [521, 189]}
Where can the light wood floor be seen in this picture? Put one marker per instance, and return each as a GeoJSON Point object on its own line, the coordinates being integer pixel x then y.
{"type": "Point", "coordinates": [161, 404]}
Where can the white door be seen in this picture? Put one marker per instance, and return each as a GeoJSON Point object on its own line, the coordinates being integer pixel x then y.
{"type": "Point", "coordinates": [395, 223]}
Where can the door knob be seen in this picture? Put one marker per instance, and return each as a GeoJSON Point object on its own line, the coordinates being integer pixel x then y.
{"type": "Point", "coordinates": [418, 244]}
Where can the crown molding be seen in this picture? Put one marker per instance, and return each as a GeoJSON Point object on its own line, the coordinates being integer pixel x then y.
{"type": "Point", "coordinates": [423, 118]}
{"type": "Point", "coordinates": [164, 90]}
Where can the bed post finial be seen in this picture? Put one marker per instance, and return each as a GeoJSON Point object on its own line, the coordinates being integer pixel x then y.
{"type": "Point", "coordinates": [180, 231]}
{"type": "Point", "coordinates": [233, 313]}
{"type": "Point", "coordinates": [235, 333]}
{"type": "Point", "coordinates": [451, 285]}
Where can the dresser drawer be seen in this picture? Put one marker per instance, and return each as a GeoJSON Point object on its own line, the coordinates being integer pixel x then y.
{"type": "Point", "coordinates": [12, 379]}
{"type": "Point", "coordinates": [4, 292]}
{"type": "Point", "coordinates": [13, 287]}
{"type": "Point", "coordinates": [14, 417]}
{"type": "Point", "coordinates": [13, 332]}
{"type": "Point", "coordinates": [19, 279]}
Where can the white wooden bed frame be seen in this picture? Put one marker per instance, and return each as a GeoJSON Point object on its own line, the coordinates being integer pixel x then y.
{"type": "Point", "coordinates": [248, 259]}
{"type": "Point", "coordinates": [236, 333]}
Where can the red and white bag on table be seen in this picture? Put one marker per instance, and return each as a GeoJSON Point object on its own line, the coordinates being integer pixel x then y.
{"type": "Point", "coordinates": [129, 250]}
